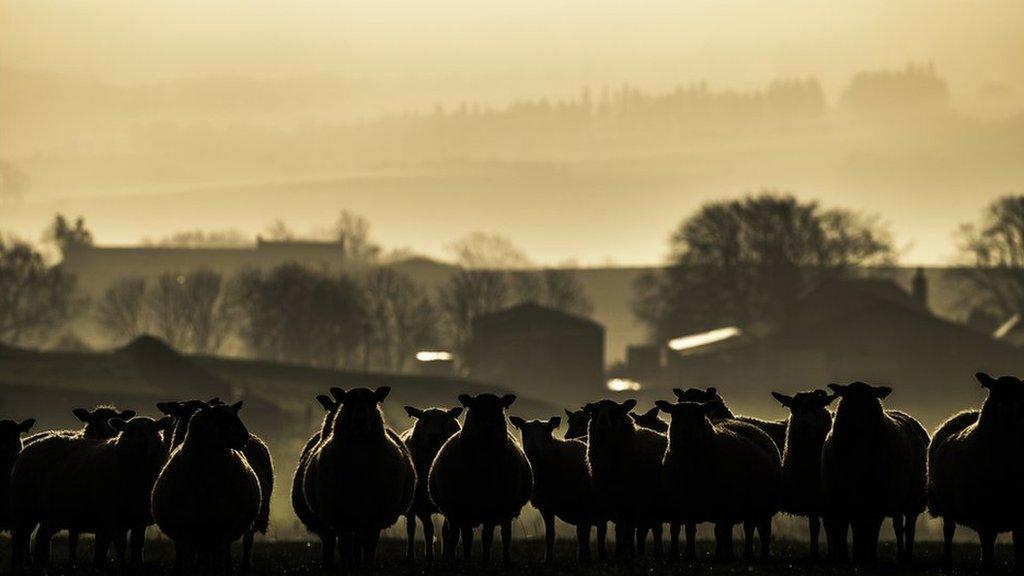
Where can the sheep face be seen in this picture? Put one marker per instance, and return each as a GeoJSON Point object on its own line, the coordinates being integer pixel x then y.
{"type": "Point", "coordinates": [609, 418]}
{"type": "Point", "coordinates": [182, 413]}
{"type": "Point", "coordinates": [140, 437]}
{"type": "Point", "coordinates": [10, 437]}
{"type": "Point", "coordinates": [650, 420]}
{"type": "Point", "coordinates": [705, 396]}
{"type": "Point", "coordinates": [809, 415]}
{"type": "Point", "coordinates": [860, 404]}
{"type": "Point", "coordinates": [434, 426]}
{"type": "Point", "coordinates": [359, 413]}
{"type": "Point", "coordinates": [537, 434]}
{"type": "Point", "coordinates": [1004, 407]}
{"type": "Point", "coordinates": [577, 424]}
{"type": "Point", "coordinates": [218, 427]}
{"type": "Point", "coordinates": [485, 414]}
{"type": "Point", "coordinates": [689, 420]}
{"type": "Point", "coordinates": [97, 421]}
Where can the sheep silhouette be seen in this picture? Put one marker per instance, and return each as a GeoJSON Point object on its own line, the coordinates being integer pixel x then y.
{"type": "Point", "coordinates": [775, 429]}
{"type": "Point", "coordinates": [650, 420]}
{"type": "Point", "coordinates": [625, 464]}
{"type": "Point", "coordinates": [872, 467]}
{"type": "Point", "coordinates": [360, 478]}
{"type": "Point", "coordinates": [809, 422]}
{"type": "Point", "coordinates": [562, 486]}
{"type": "Point", "coordinates": [207, 495]}
{"type": "Point", "coordinates": [98, 486]}
{"type": "Point", "coordinates": [974, 470]}
{"type": "Point", "coordinates": [722, 471]}
{"type": "Point", "coordinates": [576, 424]}
{"type": "Point", "coordinates": [11, 445]}
{"type": "Point", "coordinates": [481, 476]}
{"type": "Point", "coordinates": [306, 515]}
{"type": "Point", "coordinates": [433, 427]}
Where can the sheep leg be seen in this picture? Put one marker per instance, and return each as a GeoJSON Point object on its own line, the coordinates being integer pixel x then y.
{"type": "Point", "coordinates": [184, 558]}
{"type": "Point", "coordinates": [764, 538]}
{"type": "Point", "coordinates": [450, 537]}
{"type": "Point", "coordinates": [948, 531]}
{"type": "Point", "coordinates": [748, 540]}
{"type": "Point", "coordinates": [21, 534]}
{"type": "Point", "coordinates": [691, 541]}
{"type": "Point", "coordinates": [602, 541]}
{"type": "Point", "coordinates": [345, 551]}
{"type": "Point", "coordinates": [72, 547]}
{"type": "Point", "coordinates": [327, 540]}
{"type": "Point", "coordinates": [410, 537]}
{"type": "Point", "coordinates": [910, 533]}
{"type": "Point", "coordinates": [624, 534]}
{"type": "Point", "coordinates": [368, 542]}
{"type": "Point", "coordinates": [549, 537]}
{"type": "Point", "coordinates": [988, 549]}
{"type": "Point", "coordinates": [898, 529]}
{"type": "Point", "coordinates": [42, 545]}
{"type": "Point", "coordinates": [836, 531]}
{"type": "Point", "coordinates": [428, 536]}
{"type": "Point", "coordinates": [641, 540]}
{"type": "Point", "coordinates": [582, 542]}
{"type": "Point", "coordinates": [136, 543]}
{"type": "Point", "coordinates": [246, 562]}
{"type": "Point", "coordinates": [673, 541]}
{"type": "Point", "coordinates": [120, 547]}
{"type": "Point", "coordinates": [506, 541]}
{"type": "Point", "coordinates": [814, 529]}
{"type": "Point", "coordinates": [723, 542]}
{"type": "Point", "coordinates": [467, 541]}
{"type": "Point", "coordinates": [486, 540]}
{"type": "Point", "coordinates": [1018, 548]}
{"type": "Point", "coordinates": [656, 534]}
{"type": "Point", "coordinates": [224, 556]}
{"type": "Point", "coordinates": [102, 546]}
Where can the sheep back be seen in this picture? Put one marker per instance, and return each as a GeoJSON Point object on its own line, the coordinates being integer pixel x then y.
{"type": "Point", "coordinates": [258, 456]}
{"type": "Point", "coordinates": [303, 511]}
{"type": "Point", "coordinates": [627, 475]}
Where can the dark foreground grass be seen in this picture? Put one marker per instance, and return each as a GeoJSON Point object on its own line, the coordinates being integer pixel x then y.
{"type": "Point", "coordinates": [302, 558]}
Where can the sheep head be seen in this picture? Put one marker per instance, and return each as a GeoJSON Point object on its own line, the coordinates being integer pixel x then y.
{"type": "Point", "coordinates": [610, 418]}
{"type": "Point", "coordinates": [1005, 403]}
{"type": "Point", "coordinates": [140, 437]}
{"type": "Point", "coordinates": [577, 421]}
{"type": "Point", "coordinates": [859, 403]}
{"type": "Point", "coordinates": [97, 421]}
{"type": "Point", "coordinates": [705, 396]}
{"type": "Point", "coordinates": [10, 437]}
{"type": "Point", "coordinates": [809, 415]}
{"type": "Point", "coordinates": [217, 427]}
{"type": "Point", "coordinates": [689, 420]}
{"type": "Point", "coordinates": [650, 420]}
{"type": "Point", "coordinates": [536, 433]}
{"type": "Point", "coordinates": [359, 413]}
{"type": "Point", "coordinates": [485, 413]}
{"type": "Point", "coordinates": [433, 426]}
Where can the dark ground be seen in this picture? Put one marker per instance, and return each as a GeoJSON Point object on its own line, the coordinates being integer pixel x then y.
{"type": "Point", "coordinates": [301, 558]}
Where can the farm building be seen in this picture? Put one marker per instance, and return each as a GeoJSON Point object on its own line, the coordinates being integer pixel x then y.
{"type": "Point", "coordinates": [539, 352]}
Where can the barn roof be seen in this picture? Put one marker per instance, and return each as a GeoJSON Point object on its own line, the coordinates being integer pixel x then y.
{"type": "Point", "coordinates": [532, 316]}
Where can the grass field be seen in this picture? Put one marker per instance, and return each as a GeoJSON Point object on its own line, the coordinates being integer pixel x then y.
{"type": "Point", "coordinates": [302, 558]}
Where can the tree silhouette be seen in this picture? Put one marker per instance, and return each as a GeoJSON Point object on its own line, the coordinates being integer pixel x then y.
{"type": "Point", "coordinates": [66, 234]}
{"type": "Point", "coordinates": [993, 251]}
{"type": "Point", "coordinates": [121, 312]}
{"type": "Point", "coordinates": [35, 298]}
{"type": "Point", "coordinates": [748, 261]}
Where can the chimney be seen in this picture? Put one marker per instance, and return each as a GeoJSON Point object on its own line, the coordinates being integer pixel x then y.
{"type": "Point", "coordinates": [920, 288]}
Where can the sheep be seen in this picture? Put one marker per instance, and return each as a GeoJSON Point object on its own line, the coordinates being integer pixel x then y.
{"type": "Point", "coordinates": [872, 467]}
{"type": "Point", "coordinates": [431, 430]}
{"type": "Point", "coordinates": [360, 478]}
{"type": "Point", "coordinates": [99, 486]}
{"type": "Point", "coordinates": [562, 486]}
{"type": "Point", "coordinates": [481, 476]}
{"type": "Point", "coordinates": [624, 461]}
{"type": "Point", "coordinates": [775, 429]}
{"type": "Point", "coordinates": [721, 471]}
{"type": "Point", "coordinates": [974, 473]}
{"type": "Point", "coordinates": [650, 421]}
{"type": "Point", "coordinates": [207, 495]}
{"type": "Point", "coordinates": [97, 427]}
{"type": "Point", "coordinates": [307, 516]}
{"type": "Point", "coordinates": [809, 422]}
{"type": "Point", "coordinates": [11, 445]}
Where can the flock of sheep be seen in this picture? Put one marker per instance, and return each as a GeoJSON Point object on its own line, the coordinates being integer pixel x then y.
{"type": "Point", "coordinates": [206, 481]}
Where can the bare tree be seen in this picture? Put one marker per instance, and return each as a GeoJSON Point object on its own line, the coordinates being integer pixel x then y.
{"type": "Point", "coordinates": [993, 254]}
{"type": "Point", "coordinates": [279, 231]}
{"type": "Point", "coordinates": [400, 317]}
{"type": "Point", "coordinates": [352, 231]}
{"type": "Point", "coordinates": [563, 291]}
{"type": "Point", "coordinates": [122, 310]}
{"type": "Point", "coordinates": [66, 234]}
{"type": "Point", "coordinates": [35, 299]}
{"type": "Point", "coordinates": [191, 311]}
{"type": "Point", "coordinates": [748, 261]}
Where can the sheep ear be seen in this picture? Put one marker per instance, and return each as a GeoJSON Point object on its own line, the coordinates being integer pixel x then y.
{"type": "Point", "coordinates": [588, 408]}
{"type": "Point", "coordinates": [236, 407]}
{"type": "Point", "coordinates": [326, 401]}
{"type": "Point", "coordinates": [985, 380]}
{"type": "Point", "coordinates": [214, 401]}
{"type": "Point", "coordinates": [455, 412]}
{"type": "Point", "coordinates": [517, 421]}
{"type": "Point", "coordinates": [117, 424]}
{"type": "Point", "coordinates": [382, 393]}
{"type": "Point", "coordinates": [554, 423]}
{"type": "Point", "coordinates": [568, 413]}
{"type": "Point", "coordinates": [413, 412]}
{"type": "Point", "coordinates": [82, 414]}
{"type": "Point", "coordinates": [664, 405]}
{"type": "Point", "coordinates": [882, 391]}
{"type": "Point", "coordinates": [628, 405]}
{"type": "Point", "coordinates": [338, 394]}
{"type": "Point", "coordinates": [169, 408]}
{"type": "Point", "coordinates": [127, 414]}
{"type": "Point", "coordinates": [165, 423]}
{"type": "Point", "coordinates": [679, 392]}
{"type": "Point", "coordinates": [786, 401]}
{"type": "Point", "coordinates": [837, 388]}
{"type": "Point", "coordinates": [508, 399]}
{"type": "Point", "coordinates": [26, 425]}
{"type": "Point", "coordinates": [712, 391]}
{"type": "Point", "coordinates": [465, 400]}
{"type": "Point", "coordinates": [652, 413]}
